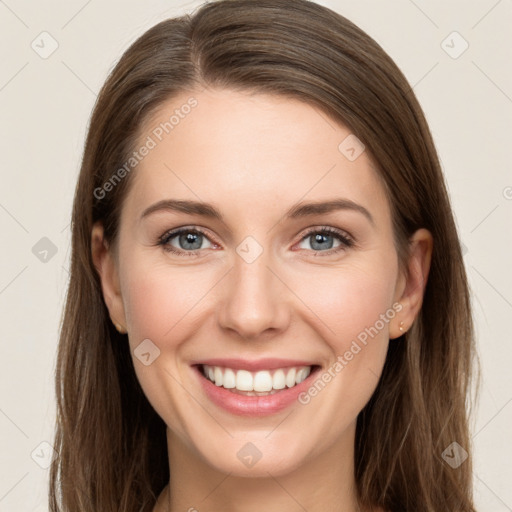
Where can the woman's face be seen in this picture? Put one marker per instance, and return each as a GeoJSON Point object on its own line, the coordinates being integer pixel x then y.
{"type": "Point", "coordinates": [254, 286]}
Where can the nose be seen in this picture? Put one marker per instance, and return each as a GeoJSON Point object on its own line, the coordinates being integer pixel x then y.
{"type": "Point", "coordinates": [254, 301]}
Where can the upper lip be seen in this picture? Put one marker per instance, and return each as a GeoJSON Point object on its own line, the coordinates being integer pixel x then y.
{"type": "Point", "coordinates": [269, 363]}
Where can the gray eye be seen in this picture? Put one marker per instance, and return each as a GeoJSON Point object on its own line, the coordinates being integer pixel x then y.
{"type": "Point", "coordinates": [320, 241]}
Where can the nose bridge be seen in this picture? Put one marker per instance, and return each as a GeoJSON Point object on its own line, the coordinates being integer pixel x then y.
{"type": "Point", "coordinates": [253, 300]}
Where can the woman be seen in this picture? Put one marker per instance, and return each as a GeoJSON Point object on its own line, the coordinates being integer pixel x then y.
{"type": "Point", "coordinates": [268, 308]}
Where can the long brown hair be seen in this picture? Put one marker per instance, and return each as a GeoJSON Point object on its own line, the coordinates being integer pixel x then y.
{"type": "Point", "coordinates": [111, 443]}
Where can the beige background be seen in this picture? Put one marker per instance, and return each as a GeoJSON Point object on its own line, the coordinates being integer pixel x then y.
{"type": "Point", "coordinates": [45, 104]}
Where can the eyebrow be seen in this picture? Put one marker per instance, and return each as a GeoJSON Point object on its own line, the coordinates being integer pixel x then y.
{"type": "Point", "coordinates": [298, 211]}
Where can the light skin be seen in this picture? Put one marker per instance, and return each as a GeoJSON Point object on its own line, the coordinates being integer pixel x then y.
{"type": "Point", "coordinates": [253, 157]}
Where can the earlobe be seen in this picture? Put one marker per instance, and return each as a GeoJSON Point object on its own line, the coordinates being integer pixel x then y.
{"type": "Point", "coordinates": [418, 267]}
{"type": "Point", "coordinates": [106, 267]}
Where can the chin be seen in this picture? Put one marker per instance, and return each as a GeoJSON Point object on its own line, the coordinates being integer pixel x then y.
{"type": "Point", "coordinates": [257, 458]}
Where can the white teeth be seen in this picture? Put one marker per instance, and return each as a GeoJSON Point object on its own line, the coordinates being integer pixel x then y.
{"type": "Point", "coordinates": [217, 372]}
{"type": "Point", "coordinates": [229, 380]}
{"type": "Point", "coordinates": [301, 375]}
{"type": "Point", "coordinates": [290, 378]}
{"type": "Point", "coordinates": [263, 382]}
{"type": "Point", "coordinates": [244, 381]}
{"type": "Point", "coordinates": [279, 380]}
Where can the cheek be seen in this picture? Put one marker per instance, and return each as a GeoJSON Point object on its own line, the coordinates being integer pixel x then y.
{"type": "Point", "coordinates": [350, 299]}
{"type": "Point", "coordinates": [160, 306]}
{"type": "Point", "coordinates": [354, 307]}
{"type": "Point", "coordinates": [158, 300]}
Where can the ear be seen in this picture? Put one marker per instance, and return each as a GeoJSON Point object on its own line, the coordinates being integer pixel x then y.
{"type": "Point", "coordinates": [411, 284]}
{"type": "Point", "coordinates": [105, 264]}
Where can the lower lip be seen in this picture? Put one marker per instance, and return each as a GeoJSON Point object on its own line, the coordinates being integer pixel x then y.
{"type": "Point", "coordinates": [243, 405]}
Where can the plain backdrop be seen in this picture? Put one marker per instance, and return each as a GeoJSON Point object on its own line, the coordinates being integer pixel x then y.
{"type": "Point", "coordinates": [55, 57]}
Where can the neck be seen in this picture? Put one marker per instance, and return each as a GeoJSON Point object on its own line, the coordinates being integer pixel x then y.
{"type": "Point", "coordinates": [325, 483]}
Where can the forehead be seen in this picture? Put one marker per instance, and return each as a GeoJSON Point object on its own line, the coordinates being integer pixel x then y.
{"type": "Point", "coordinates": [242, 149]}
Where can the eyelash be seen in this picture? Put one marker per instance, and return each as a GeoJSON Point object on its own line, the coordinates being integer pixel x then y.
{"type": "Point", "coordinates": [346, 241]}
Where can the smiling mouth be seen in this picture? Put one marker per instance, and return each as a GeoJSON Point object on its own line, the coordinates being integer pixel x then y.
{"type": "Point", "coordinates": [258, 383]}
